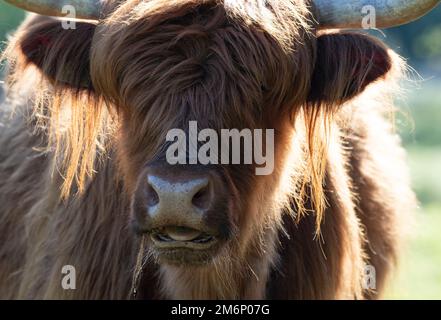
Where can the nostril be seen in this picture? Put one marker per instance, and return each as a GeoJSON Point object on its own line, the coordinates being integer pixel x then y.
{"type": "Point", "coordinates": [202, 198]}
{"type": "Point", "coordinates": [152, 196]}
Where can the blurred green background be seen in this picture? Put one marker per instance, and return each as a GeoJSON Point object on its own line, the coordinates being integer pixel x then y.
{"type": "Point", "coordinates": [419, 276]}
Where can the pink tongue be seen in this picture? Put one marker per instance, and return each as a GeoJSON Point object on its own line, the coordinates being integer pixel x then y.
{"type": "Point", "coordinates": [182, 233]}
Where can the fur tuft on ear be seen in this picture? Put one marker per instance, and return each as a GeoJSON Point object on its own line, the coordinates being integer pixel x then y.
{"type": "Point", "coordinates": [62, 95]}
{"type": "Point", "coordinates": [346, 64]}
{"type": "Point", "coordinates": [62, 55]}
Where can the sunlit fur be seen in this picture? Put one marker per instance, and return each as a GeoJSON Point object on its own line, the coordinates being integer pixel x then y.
{"type": "Point", "coordinates": [72, 152]}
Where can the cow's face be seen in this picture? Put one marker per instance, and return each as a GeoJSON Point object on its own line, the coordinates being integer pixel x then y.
{"type": "Point", "coordinates": [188, 70]}
{"type": "Point", "coordinates": [165, 67]}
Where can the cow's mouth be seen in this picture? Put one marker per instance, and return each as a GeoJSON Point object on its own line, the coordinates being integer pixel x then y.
{"type": "Point", "coordinates": [184, 237]}
{"type": "Point", "coordinates": [184, 246]}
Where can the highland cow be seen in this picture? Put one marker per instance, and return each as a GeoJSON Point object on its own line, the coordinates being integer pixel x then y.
{"type": "Point", "coordinates": [84, 180]}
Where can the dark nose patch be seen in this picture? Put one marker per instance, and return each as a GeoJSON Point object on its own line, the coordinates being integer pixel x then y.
{"type": "Point", "coordinates": [186, 196]}
{"type": "Point", "coordinates": [182, 203]}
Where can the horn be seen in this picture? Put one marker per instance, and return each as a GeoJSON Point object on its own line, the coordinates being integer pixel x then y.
{"type": "Point", "coordinates": [349, 14]}
{"type": "Point", "coordinates": [84, 9]}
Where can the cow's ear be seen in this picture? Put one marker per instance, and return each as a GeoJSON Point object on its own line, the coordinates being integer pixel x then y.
{"type": "Point", "coordinates": [346, 64]}
{"type": "Point", "coordinates": [61, 54]}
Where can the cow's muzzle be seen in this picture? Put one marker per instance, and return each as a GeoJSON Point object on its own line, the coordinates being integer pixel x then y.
{"type": "Point", "coordinates": [184, 210]}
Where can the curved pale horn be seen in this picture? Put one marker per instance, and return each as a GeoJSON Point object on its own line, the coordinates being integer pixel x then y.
{"type": "Point", "coordinates": [84, 9]}
{"type": "Point", "coordinates": [349, 14]}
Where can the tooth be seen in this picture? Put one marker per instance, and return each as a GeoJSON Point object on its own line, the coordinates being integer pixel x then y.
{"type": "Point", "coordinates": [203, 240]}
{"type": "Point", "coordinates": [182, 233]}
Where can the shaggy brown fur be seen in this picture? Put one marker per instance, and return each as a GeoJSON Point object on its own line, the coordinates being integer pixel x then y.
{"type": "Point", "coordinates": [93, 105]}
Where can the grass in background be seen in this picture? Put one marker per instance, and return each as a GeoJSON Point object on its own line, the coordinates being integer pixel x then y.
{"type": "Point", "coordinates": [9, 17]}
{"type": "Point", "coordinates": [419, 274]}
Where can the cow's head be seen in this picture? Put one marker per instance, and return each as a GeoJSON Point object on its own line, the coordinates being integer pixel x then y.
{"type": "Point", "coordinates": [148, 67]}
